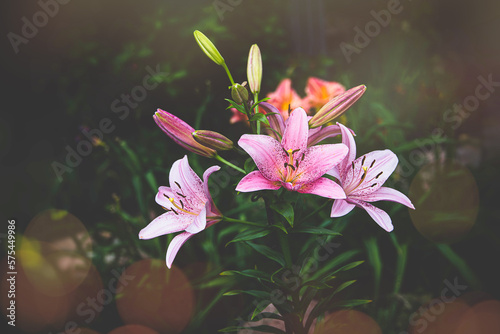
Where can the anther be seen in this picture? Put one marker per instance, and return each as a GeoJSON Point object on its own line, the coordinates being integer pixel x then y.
{"type": "Point", "coordinates": [363, 161]}
{"type": "Point", "coordinates": [178, 185]}
{"type": "Point", "coordinates": [175, 212]}
{"type": "Point", "coordinates": [379, 175]}
{"type": "Point", "coordinates": [183, 196]}
{"type": "Point", "coordinates": [373, 162]}
{"type": "Point", "coordinates": [182, 204]}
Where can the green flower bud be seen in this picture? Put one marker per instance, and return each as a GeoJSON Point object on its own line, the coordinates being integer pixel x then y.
{"type": "Point", "coordinates": [213, 140]}
{"type": "Point", "coordinates": [208, 47]}
{"type": "Point", "coordinates": [254, 69]}
{"type": "Point", "coordinates": [239, 93]}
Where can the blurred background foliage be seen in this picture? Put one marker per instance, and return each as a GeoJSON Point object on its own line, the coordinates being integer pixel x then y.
{"type": "Point", "coordinates": [427, 59]}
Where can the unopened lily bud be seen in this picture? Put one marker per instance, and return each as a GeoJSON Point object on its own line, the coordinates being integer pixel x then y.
{"type": "Point", "coordinates": [239, 93]}
{"type": "Point", "coordinates": [213, 140]}
{"type": "Point", "coordinates": [336, 106]}
{"type": "Point", "coordinates": [180, 132]}
{"type": "Point", "coordinates": [208, 47]}
{"type": "Point", "coordinates": [254, 69]}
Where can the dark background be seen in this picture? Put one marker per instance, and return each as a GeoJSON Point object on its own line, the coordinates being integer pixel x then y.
{"type": "Point", "coordinates": [427, 59]}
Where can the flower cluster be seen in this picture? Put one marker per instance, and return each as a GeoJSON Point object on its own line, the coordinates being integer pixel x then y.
{"type": "Point", "coordinates": [285, 98]}
{"type": "Point", "coordinates": [287, 147]}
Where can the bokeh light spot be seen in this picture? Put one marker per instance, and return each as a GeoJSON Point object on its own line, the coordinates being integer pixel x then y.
{"type": "Point", "coordinates": [155, 296]}
{"type": "Point", "coordinates": [446, 199]}
{"type": "Point", "coordinates": [347, 322]}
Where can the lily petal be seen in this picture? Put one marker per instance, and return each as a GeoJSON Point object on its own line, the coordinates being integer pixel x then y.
{"type": "Point", "coordinates": [276, 121]}
{"type": "Point", "coordinates": [212, 209]}
{"type": "Point", "coordinates": [378, 215]}
{"type": "Point", "coordinates": [318, 160]}
{"type": "Point", "coordinates": [323, 187]}
{"type": "Point", "coordinates": [175, 245]}
{"type": "Point", "coordinates": [388, 194]}
{"type": "Point", "coordinates": [256, 181]}
{"type": "Point", "coordinates": [296, 132]}
{"type": "Point", "coordinates": [267, 154]}
{"type": "Point", "coordinates": [199, 222]}
{"type": "Point", "coordinates": [169, 222]}
{"type": "Point", "coordinates": [161, 197]}
{"type": "Point", "coordinates": [380, 165]}
{"type": "Point", "coordinates": [340, 208]}
{"type": "Point", "coordinates": [348, 140]}
{"type": "Point", "coordinates": [183, 180]}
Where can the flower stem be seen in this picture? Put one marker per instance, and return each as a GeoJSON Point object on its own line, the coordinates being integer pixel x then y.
{"type": "Point", "coordinates": [256, 98]}
{"type": "Point", "coordinates": [221, 159]}
{"type": "Point", "coordinates": [232, 220]}
{"type": "Point", "coordinates": [228, 73]}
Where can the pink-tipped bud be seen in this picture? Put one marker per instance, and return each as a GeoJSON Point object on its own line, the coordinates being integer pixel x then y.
{"type": "Point", "coordinates": [336, 106]}
{"type": "Point", "coordinates": [180, 132]}
{"type": "Point", "coordinates": [254, 69]}
{"type": "Point", "coordinates": [213, 140]}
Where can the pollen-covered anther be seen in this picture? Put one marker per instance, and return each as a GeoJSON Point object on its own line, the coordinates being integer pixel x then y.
{"type": "Point", "coordinates": [181, 208]}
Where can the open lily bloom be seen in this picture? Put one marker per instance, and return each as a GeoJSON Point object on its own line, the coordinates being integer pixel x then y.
{"type": "Point", "coordinates": [319, 92]}
{"type": "Point", "coordinates": [290, 163]}
{"type": "Point", "coordinates": [189, 207]}
{"type": "Point", "coordinates": [362, 180]}
{"type": "Point", "coordinates": [277, 126]}
{"type": "Point", "coordinates": [285, 98]}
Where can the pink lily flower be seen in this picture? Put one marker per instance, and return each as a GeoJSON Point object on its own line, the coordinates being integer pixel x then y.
{"type": "Point", "coordinates": [362, 180]}
{"type": "Point", "coordinates": [277, 126]}
{"type": "Point", "coordinates": [189, 207]}
{"type": "Point", "coordinates": [181, 133]}
{"type": "Point", "coordinates": [285, 97]}
{"type": "Point", "coordinates": [319, 92]}
{"type": "Point", "coordinates": [290, 163]}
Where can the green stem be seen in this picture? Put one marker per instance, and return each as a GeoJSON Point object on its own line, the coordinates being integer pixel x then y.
{"type": "Point", "coordinates": [221, 159]}
{"type": "Point", "coordinates": [256, 98]}
{"type": "Point", "coordinates": [228, 73]}
{"type": "Point", "coordinates": [285, 248]}
{"type": "Point", "coordinates": [232, 220]}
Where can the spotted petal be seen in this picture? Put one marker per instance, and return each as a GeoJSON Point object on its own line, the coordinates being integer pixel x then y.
{"type": "Point", "coordinates": [379, 216]}
{"type": "Point", "coordinates": [256, 181]}
{"type": "Point", "coordinates": [340, 208]}
{"type": "Point", "coordinates": [296, 132]}
{"type": "Point", "coordinates": [323, 187]}
{"type": "Point", "coordinates": [388, 194]}
{"type": "Point", "coordinates": [184, 181]}
{"type": "Point", "coordinates": [318, 160]}
{"type": "Point", "coordinates": [267, 154]}
{"type": "Point", "coordinates": [169, 222]}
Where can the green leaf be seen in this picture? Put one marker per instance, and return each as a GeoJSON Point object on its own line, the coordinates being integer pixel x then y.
{"type": "Point", "coordinates": [261, 328]}
{"type": "Point", "coordinates": [351, 303]}
{"type": "Point", "coordinates": [268, 252]}
{"type": "Point", "coordinates": [247, 273]}
{"type": "Point", "coordinates": [314, 230]}
{"type": "Point", "coordinates": [327, 269]}
{"type": "Point", "coordinates": [343, 286]}
{"type": "Point", "coordinates": [249, 235]}
{"type": "Point", "coordinates": [249, 165]}
{"type": "Point", "coordinates": [255, 293]}
{"type": "Point", "coordinates": [260, 118]}
{"type": "Point", "coordinates": [285, 209]}
{"type": "Point", "coordinates": [237, 106]}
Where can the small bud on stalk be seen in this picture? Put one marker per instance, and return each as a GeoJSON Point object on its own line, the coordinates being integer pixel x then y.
{"type": "Point", "coordinates": [213, 140]}
{"type": "Point", "coordinates": [239, 93]}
